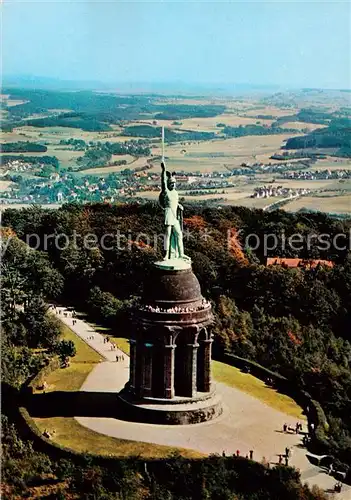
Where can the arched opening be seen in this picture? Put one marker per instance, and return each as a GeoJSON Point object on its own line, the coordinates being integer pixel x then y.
{"type": "Point", "coordinates": [200, 365]}
{"type": "Point", "coordinates": [158, 371]}
{"type": "Point", "coordinates": [180, 369]}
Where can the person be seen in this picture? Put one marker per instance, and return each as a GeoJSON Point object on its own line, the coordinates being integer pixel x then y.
{"type": "Point", "coordinates": [280, 458]}
{"type": "Point", "coordinates": [237, 453]}
{"type": "Point", "coordinates": [223, 453]}
{"type": "Point", "coordinates": [286, 460]}
{"type": "Point", "coordinates": [285, 427]}
{"type": "Point", "coordinates": [297, 427]}
{"type": "Point", "coordinates": [338, 487]}
{"type": "Point", "coordinates": [168, 199]}
{"type": "Point", "coordinates": [251, 454]}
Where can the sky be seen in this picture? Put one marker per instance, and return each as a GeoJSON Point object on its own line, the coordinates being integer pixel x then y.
{"type": "Point", "coordinates": [292, 44]}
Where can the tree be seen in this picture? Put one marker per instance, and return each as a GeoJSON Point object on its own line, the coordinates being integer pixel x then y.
{"type": "Point", "coordinates": [65, 349]}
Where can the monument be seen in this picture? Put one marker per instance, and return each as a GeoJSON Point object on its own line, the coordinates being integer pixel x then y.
{"type": "Point", "coordinates": [170, 346]}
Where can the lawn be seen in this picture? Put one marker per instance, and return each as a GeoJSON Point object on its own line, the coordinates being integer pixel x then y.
{"type": "Point", "coordinates": [72, 377]}
{"type": "Point", "coordinates": [122, 344]}
{"type": "Point", "coordinates": [69, 433]}
{"type": "Point", "coordinates": [85, 354]}
{"type": "Point", "coordinates": [245, 382]}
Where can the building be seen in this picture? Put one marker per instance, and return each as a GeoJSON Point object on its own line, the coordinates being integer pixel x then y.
{"type": "Point", "coordinates": [307, 264]}
{"type": "Point", "coordinates": [170, 352]}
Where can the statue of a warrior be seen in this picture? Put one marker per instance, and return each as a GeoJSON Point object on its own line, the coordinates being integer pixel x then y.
{"type": "Point", "coordinates": [168, 199]}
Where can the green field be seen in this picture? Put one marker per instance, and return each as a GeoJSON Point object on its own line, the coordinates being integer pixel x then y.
{"type": "Point", "coordinates": [69, 433]}
{"type": "Point", "coordinates": [245, 382]}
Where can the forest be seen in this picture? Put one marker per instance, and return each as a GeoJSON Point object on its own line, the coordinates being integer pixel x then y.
{"type": "Point", "coordinates": [294, 321]}
{"type": "Point", "coordinates": [243, 130]}
{"type": "Point", "coordinates": [170, 135]}
{"type": "Point", "coordinates": [98, 109]}
{"type": "Point", "coordinates": [336, 135]}
{"type": "Point", "coordinates": [22, 147]}
{"type": "Point", "coordinates": [72, 120]}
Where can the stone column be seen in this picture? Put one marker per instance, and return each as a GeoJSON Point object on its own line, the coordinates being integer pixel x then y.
{"type": "Point", "coordinates": [147, 371]}
{"type": "Point", "coordinates": [132, 364]}
{"type": "Point", "coordinates": [190, 386]}
{"type": "Point", "coordinates": [207, 365]}
{"type": "Point", "coordinates": [169, 371]}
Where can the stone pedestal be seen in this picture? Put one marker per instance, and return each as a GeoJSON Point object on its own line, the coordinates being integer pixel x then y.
{"type": "Point", "coordinates": [170, 367]}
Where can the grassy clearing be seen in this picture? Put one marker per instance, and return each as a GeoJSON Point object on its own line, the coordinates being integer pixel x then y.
{"type": "Point", "coordinates": [85, 354]}
{"type": "Point", "coordinates": [72, 377]}
{"type": "Point", "coordinates": [69, 433]}
{"type": "Point", "coordinates": [245, 382]}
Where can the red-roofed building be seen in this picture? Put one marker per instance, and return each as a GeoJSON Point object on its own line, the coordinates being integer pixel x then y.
{"type": "Point", "coordinates": [281, 261]}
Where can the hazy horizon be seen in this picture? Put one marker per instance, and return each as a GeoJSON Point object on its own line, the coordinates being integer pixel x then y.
{"type": "Point", "coordinates": [199, 44]}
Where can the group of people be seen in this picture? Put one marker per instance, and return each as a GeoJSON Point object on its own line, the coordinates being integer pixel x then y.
{"type": "Point", "coordinates": [47, 434]}
{"type": "Point", "coordinates": [65, 314]}
{"type": "Point", "coordinates": [286, 456]}
{"type": "Point", "coordinates": [248, 455]}
{"type": "Point", "coordinates": [114, 347]}
{"type": "Point", "coordinates": [296, 429]}
{"type": "Point", "coordinates": [204, 305]}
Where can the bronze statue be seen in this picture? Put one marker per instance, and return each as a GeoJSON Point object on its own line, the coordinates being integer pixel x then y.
{"type": "Point", "coordinates": [168, 199]}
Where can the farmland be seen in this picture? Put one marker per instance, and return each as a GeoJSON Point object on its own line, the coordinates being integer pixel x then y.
{"type": "Point", "coordinates": [336, 204]}
{"type": "Point", "coordinates": [221, 169]}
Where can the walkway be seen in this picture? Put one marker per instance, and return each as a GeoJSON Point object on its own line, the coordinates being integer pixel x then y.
{"type": "Point", "coordinates": [246, 424]}
{"type": "Point", "coordinates": [94, 339]}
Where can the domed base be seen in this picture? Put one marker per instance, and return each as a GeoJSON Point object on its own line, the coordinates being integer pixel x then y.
{"type": "Point", "coordinates": [178, 411]}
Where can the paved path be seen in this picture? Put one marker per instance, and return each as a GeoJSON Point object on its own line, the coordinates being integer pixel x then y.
{"type": "Point", "coordinates": [246, 424]}
{"type": "Point", "coordinates": [94, 339]}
